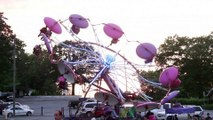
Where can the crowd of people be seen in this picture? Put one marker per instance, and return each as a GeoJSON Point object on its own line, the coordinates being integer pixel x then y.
{"type": "Point", "coordinates": [58, 115]}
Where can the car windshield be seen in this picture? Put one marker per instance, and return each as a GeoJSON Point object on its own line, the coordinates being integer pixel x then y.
{"type": "Point", "coordinates": [17, 108]}
{"type": "Point", "coordinates": [166, 106]}
{"type": "Point", "coordinates": [90, 105]}
{"type": "Point", "coordinates": [197, 108]}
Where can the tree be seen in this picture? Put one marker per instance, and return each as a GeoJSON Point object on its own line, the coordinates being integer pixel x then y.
{"type": "Point", "coordinates": [7, 38]}
{"type": "Point", "coordinates": [152, 91]}
{"type": "Point", "coordinates": [31, 72]}
{"type": "Point", "coordinates": [83, 71]}
{"type": "Point", "coordinates": [38, 73]}
{"type": "Point", "coordinates": [194, 58]}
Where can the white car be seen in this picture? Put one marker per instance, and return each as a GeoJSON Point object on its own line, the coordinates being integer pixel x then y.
{"type": "Point", "coordinates": [198, 110]}
{"type": "Point", "coordinates": [17, 104]}
{"type": "Point", "coordinates": [18, 111]}
{"type": "Point", "coordinates": [161, 113]}
{"type": "Point", "coordinates": [2, 102]}
{"type": "Point", "coordinates": [87, 108]}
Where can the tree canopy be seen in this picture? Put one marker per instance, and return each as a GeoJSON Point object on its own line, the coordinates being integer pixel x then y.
{"type": "Point", "coordinates": [31, 72]}
{"type": "Point", "coordinates": [194, 58]}
{"type": "Point", "coordinates": [7, 38]}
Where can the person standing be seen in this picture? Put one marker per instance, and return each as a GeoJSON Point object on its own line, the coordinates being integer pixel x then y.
{"type": "Point", "coordinates": [152, 116]}
{"type": "Point", "coordinates": [208, 117]}
{"type": "Point", "coordinates": [58, 115]}
{"type": "Point", "coordinates": [175, 117]}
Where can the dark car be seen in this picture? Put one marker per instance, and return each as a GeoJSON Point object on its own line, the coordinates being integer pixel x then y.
{"type": "Point", "coordinates": [6, 97]}
{"type": "Point", "coordinates": [76, 102]}
{"type": "Point", "coordinates": [73, 103]}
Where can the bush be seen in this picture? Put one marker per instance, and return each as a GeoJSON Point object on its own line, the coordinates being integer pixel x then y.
{"type": "Point", "coordinates": [190, 101]}
{"type": "Point", "coordinates": [208, 107]}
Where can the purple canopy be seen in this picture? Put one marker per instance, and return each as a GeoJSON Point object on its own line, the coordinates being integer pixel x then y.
{"type": "Point", "coordinates": [146, 51]}
{"type": "Point", "coordinates": [113, 30]}
{"type": "Point", "coordinates": [179, 110]}
{"type": "Point", "coordinates": [170, 96]}
{"type": "Point", "coordinates": [78, 21]}
{"type": "Point", "coordinates": [53, 25]}
{"type": "Point", "coordinates": [168, 75]}
{"type": "Point", "coordinates": [146, 106]}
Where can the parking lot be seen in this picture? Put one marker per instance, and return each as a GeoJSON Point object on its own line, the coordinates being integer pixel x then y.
{"type": "Point", "coordinates": [45, 106]}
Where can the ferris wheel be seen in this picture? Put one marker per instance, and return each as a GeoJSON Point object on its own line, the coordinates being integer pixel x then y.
{"type": "Point", "coordinates": [101, 65]}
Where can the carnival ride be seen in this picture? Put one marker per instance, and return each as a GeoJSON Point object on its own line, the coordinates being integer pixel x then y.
{"type": "Point", "coordinates": [91, 62]}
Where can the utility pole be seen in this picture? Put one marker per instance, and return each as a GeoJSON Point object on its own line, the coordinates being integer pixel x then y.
{"type": "Point", "coordinates": [14, 74]}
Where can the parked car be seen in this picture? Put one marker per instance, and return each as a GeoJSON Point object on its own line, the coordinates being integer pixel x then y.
{"type": "Point", "coordinates": [73, 103]}
{"type": "Point", "coordinates": [2, 102]}
{"type": "Point", "coordinates": [198, 110]}
{"type": "Point", "coordinates": [9, 98]}
{"type": "Point", "coordinates": [88, 107]}
{"type": "Point", "coordinates": [76, 102]}
{"type": "Point", "coordinates": [6, 96]}
{"type": "Point", "coordinates": [161, 112]}
{"type": "Point", "coordinates": [18, 111]}
{"type": "Point", "coordinates": [87, 100]}
{"type": "Point", "coordinates": [10, 104]}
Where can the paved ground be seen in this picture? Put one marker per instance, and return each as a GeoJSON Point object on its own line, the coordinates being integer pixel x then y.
{"type": "Point", "coordinates": [50, 104]}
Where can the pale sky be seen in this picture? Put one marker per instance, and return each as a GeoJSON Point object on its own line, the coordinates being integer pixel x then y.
{"type": "Point", "coordinates": [141, 20]}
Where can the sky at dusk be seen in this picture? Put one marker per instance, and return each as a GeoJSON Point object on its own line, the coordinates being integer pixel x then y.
{"type": "Point", "coordinates": [141, 20]}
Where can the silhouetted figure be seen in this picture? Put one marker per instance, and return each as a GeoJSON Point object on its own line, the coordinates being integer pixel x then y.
{"type": "Point", "coordinates": [175, 117]}
{"type": "Point", "coordinates": [150, 116]}
{"type": "Point", "coordinates": [208, 117]}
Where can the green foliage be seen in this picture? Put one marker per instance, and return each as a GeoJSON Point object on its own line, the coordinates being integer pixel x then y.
{"type": "Point", "coordinates": [193, 57]}
{"type": "Point", "coordinates": [7, 39]}
{"type": "Point", "coordinates": [32, 72]}
{"type": "Point", "coordinates": [152, 91]}
{"type": "Point", "coordinates": [208, 107]}
{"type": "Point", "coordinates": [38, 73]}
{"type": "Point", "coordinates": [78, 55]}
{"type": "Point", "coordinates": [189, 101]}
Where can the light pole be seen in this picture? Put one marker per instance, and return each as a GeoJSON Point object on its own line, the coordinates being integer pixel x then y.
{"type": "Point", "coordinates": [14, 74]}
